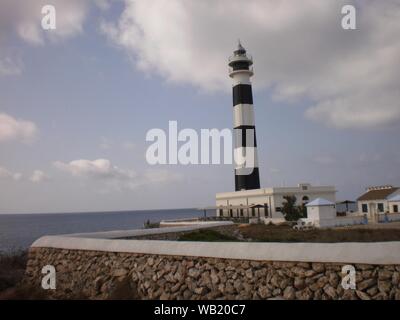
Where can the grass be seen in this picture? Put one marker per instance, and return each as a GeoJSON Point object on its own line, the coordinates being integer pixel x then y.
{"type": "Point", "coordinates": [284, 233]}
{"type": "Point", "coordinates": [206, 235]}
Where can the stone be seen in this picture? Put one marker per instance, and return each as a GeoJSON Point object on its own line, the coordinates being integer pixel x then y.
{"type": "Point", "coordinates": [200, 291]}
{"type": "Point", "coordinates": [333, 279]}
{"type": "Point", "coordinates": [299, 283]}
{"type": "Point", "coordinates": [194, 273]}
{"type": "Point", "coordinates": [385, 275]}
{"type": "Point", "coordinates": [318, 267]}
{"type": "Point", "coordinates": [165, 296]}
{"type": "Point", "coordinates": [214, 278]}
{"type": "Point", "coordinates": [120, 273]}
{"type": "Point", "coordinates": [362, 295]}
{"type": "Point", "coordinates": [366, 284]}
{"type": "Point", "coordinates": [372, 291]}
{"type": "Point", "coordinates": [307, 294]}
{"type": "Point", "coordinates": [330, 292]}
{"type": "Point", "coordinates": [264, 292]}
{"type": "Point", "coordinates": [289, 293]}
{"type": "Point", "coordinates": [396, 278]}
{"type": "Point", "coordinates": [384, 286]}
{"type": "Point", "coordinates": [298, 271]}
{"type": "Point", "coordinates": [249, 274]}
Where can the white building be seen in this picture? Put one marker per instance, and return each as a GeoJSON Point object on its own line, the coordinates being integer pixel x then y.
{"type": "Point", "coordinates": [268, 202]}
{"type": "Point", "coordinates": [321, 213]}
{"type": "Point", "coordinates": [376, 200]}
{"type": "Point", "coordinates": [394, 204]}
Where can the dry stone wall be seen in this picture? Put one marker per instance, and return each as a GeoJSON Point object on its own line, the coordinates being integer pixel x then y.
{"type": "Point", "coordinates": [109, 275]}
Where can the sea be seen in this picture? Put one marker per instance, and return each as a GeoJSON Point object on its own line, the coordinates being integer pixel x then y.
{"type": "Point", "coordinates": [19, 231]}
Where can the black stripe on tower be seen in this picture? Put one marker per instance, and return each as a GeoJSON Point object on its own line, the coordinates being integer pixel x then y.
{"type": "Point", "coordinates": [242, 94]}
{"type": "Point", "coordinates": [251, 181]}
{"type": "Point", "coordinates": [241, 134]}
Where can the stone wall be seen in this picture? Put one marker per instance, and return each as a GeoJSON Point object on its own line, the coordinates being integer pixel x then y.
{"type": "Point", "coordinates": [111, 275]}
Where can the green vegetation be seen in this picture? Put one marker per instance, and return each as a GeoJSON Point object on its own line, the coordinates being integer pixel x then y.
{"type": "Point", "coordinates": [284, 233]}
{"type": "Point", "coordinates": [206, 235]}
{"type": "Point", "coordinates": [290, 211]}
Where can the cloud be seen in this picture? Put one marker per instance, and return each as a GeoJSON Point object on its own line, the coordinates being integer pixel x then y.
{"type": "Point", "coordinates": [324, 160]}
{"type": "Point", "coordinates": [103, 170]}
{"type": "Point", "coordinates": [9, 66]}
{"type": "Point", "coordinates": [16, 129]}
{"type": "Point", "coordinates": [128, 145]}
{"type": "Point", "coordinates": [38, 176]}
{"type": "Point", "coordinates": [7, 174]}
{"type": "Point", "coordinates": [22, 19]}
{"type": "Point", "coordinates": [349, 78]}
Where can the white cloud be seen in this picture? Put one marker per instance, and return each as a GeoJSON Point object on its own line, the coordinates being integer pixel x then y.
{"type": "Point", "coordinates": [38, 176]}
{"type": "Point", "coordinates": [16, 129]}
{"type": "Point", "coordinates": [24, 18]}
{"type": "Point", "coordinates": [7, 174]}
{"type": "Point", "coordinates": [349, 77]}
{"type": "Point", "coordinates": [103, 170]}
{"type": "Point", "coordinates": [9, 66]}
{"type": "Point", "coordinates": [128, 145]}
{"type": "Point", "coordinates": [324, 160]}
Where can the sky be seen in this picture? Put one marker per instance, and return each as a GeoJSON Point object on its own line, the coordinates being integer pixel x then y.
{"type": "Point", "coordinates": [77, 102]}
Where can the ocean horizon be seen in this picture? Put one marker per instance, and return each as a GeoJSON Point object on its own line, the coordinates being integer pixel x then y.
{"type": "Point", "coordinates": [19, 231]}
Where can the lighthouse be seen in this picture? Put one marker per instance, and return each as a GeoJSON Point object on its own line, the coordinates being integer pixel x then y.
{"type": "Point", "coordinates": [245, 145]}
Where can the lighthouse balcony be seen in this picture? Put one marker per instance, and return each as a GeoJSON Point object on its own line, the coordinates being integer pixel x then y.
{"type": "Point", "coordinates": [233, 71]}
{"type": "Point", "coordinates": [242, 57]}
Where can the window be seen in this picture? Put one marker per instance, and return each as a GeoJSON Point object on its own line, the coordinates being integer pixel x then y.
{"type": "Point", "coordinates": [221, 212]}
{"type": "Point", "coordinates": [380, 207]}
{"type": "Point", "coordinates": [304, 188]}
{"type": "Point", "coordinates": [278, 209]}
{"type": "Point", "coordinates": [241, 212]}
{"type": "Point", "coordinates": [395, 208]}
{"type": "Point", "coordinates": [365, 208]}
{"type": "Point", "coordinates": [305, 198]}
{"type": "Point", "coordinates": [253, 212]}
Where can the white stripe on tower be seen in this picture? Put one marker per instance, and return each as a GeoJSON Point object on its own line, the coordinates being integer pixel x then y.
{"type": "Point", "coordinates": [246, 174]}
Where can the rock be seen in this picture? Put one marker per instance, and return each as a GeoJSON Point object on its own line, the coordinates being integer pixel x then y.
{"type": "Point", "coordinates": [187, 294]}
{"type": "Point", "coordinates": [214, 278]}
{"type": "Point", "coordinates": [372, 291]}
{"type": "Point", "coordinates": [384, 286]}
{"type": "Point", "coordinates": [194, 273]}
{"type": "Point", "coordinates": [165, 296]}
{"type": "Point", "coordinates": [264, 292]}
{"type": "Point", "coordinates": [275, 281]}
{"type": "Point", "coordinates": [277, 292]}
{"type": "Point", "coordinates": [200, 291]}
{"type": "Point", "coordinates": [98, 282]}
{"type": "Point", "coordinates": [333, 279]}
{"type": "Point", "coordinates": [120, 272]}
{"type": "Point", "coordinates": [349, 295]}
{"type": "Point", "coordinates": [306, 294]}
{"type": "Point", "coordinates": [299, 283]}
{"type": "Point", "coordinates": [385, 275]}
{"type": "Point", "coordinates": [330, 292]}
{"type": "Point", "coordinates": [249, 274]}
{"type": "Point", "coordinates": [362, 295]}
{"type": "Point", "coordinates": [396, 278]}
{"type": "Point", "coordinates": [289, 293]}
{"type": "Point", "coordinates": [298, 271]}
{"type": "Point", "coordinates": [309, 273]}
{"type": "Point", "coordinates": [366, 284]}
{"type": "Point", "coordinates": [318, 267]}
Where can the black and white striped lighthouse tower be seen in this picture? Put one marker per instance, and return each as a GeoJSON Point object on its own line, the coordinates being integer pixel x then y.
{"type": "Point", "coordinates": [240, 70]}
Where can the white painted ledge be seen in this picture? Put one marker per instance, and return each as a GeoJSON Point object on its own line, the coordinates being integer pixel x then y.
{"type": "Point", "coordinates": [365, 253]}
